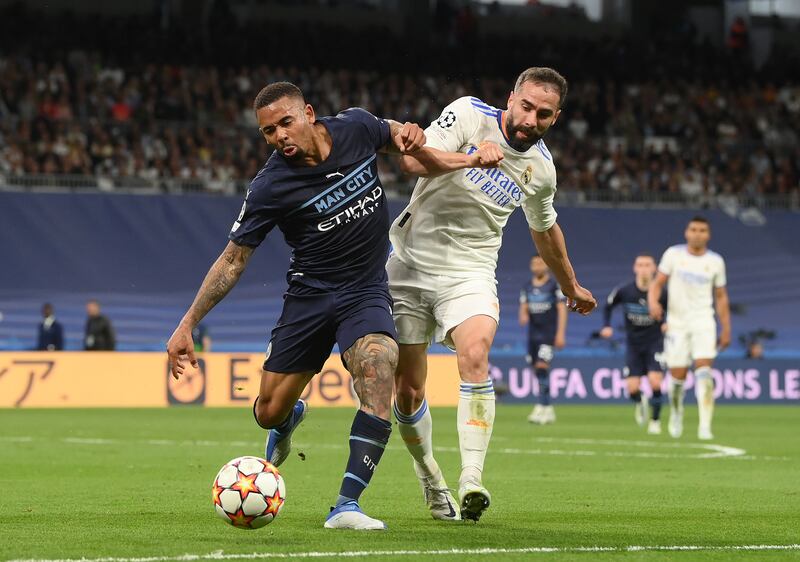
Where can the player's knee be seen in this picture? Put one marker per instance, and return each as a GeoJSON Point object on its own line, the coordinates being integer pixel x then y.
{"type": "Point", "coordinates": [269, 413]}
{"type": "Point", "coordinates": [473, 361]}
{"type": "Point", "coordinates": [408, 395]}
{"type": "Point", "coordinates": [373, 357]}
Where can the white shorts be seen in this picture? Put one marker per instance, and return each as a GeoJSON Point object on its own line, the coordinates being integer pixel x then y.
{"type": "Point", "coordinates": [684, 345]}
{"type": "Point", "coordinates": [427, 307]}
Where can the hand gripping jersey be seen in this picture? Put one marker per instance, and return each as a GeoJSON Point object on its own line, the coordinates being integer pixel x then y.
{"type": "Point", "coordinates": [453, 224]}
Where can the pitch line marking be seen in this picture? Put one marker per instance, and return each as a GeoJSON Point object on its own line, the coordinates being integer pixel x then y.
{"type": "Point", "coordinates": [705, 450]}
{"type": "Point", "coordinates": [220, 555]}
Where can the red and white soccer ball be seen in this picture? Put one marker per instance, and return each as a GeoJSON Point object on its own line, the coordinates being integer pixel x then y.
{"type": "Point", "coordinates": [248, 492]}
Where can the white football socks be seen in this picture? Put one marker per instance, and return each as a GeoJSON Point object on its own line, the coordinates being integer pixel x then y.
{"type": "Point", "coordinates": [417, 432]}
{"type": "Point", "coordinates": [704, 391]}
{"type": "Point", "coordinates": [676, 394]}
{"type": "Point", "coordinates": [475, 422]}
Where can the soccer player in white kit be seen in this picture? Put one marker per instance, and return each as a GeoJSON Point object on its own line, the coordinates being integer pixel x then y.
{"type": "Point", "coordinates": [695, 279]}
{"type": "Point", "coordinates": [442, 269]}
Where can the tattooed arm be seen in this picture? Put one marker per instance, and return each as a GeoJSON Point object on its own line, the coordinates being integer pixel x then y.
{"type": "Point", "coordinates": [219, 280]}
{"type": "Point", "coordinates": [372, 361]}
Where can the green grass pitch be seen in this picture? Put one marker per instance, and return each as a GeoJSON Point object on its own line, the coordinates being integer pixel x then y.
{"type": "Point", "coordinates": [135, 485]}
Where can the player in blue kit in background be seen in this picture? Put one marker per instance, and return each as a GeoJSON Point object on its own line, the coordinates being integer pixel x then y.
{"type": "Point", "coordinates": [645, 340]}
{"type": "Point", "coordinates": [542, 307]}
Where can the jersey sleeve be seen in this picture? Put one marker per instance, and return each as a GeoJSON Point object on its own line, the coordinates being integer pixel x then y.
{"type": "Point", "coordinates": [523, 296]}
{"type": "Point", "coordinates": [257, 218]}
{"type": "Point", "coordinates": [454, 127]}
{"type": "Point", "coordinates": [611, 302]}
{"type": "Point", "coordinates": [539, 210]}
{"type": "Point", "coordinates": [720, 277]}
{"type": "Point", "coordinates": [378, 131]}
{"type": "Point", "coordinates": [666, 265]}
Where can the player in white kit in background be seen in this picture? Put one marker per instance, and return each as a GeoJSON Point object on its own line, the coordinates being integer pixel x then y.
{"type": "Point", "coordinates": [695, 279]}
{"type": "Point", "coordinates": [442, 269]}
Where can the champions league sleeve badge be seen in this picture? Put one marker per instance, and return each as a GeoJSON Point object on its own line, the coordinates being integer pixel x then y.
{"type": "Point", "coordinates": [446, 120]}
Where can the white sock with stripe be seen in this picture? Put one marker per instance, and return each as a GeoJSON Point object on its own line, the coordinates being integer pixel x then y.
{"type": "Point", "coordinates": [475, 423]}
{"type": "Point", "coordinates": [417, 432]}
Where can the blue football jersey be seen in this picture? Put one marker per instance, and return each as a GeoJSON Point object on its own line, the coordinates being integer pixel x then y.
{"type": "Point", "coordinates": [334, 215]}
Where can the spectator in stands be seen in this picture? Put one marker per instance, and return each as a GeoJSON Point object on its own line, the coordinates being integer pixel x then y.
{"type": "Point", "coordinates": [99, 332]}
{"type": "Point", "coordinates": [755, 350]}
{"type": "Point", "coordinates": [51, 332]}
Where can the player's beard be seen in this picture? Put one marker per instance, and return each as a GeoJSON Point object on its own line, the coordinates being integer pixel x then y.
{"type": "Point", "coordinates": [517, 143]}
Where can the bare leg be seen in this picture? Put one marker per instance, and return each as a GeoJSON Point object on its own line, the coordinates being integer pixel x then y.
{"type": "Point", "coordinates": [473, 339]}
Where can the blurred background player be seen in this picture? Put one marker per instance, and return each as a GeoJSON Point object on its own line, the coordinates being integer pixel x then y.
{"type": "Point", "coordinates": [99, 334]}
{"type": "Point", "coordinates": [695, 279]}
{"type": "Point", "coordinates": [51, 332]}
{"type": "Point", "coordinates": [645, 339]}
{"type": "Point", "coordinates": [542, 309]}
{"type": "Point", "coordinates": [442, 268]}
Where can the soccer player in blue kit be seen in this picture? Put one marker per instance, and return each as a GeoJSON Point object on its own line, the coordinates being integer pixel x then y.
{"type": "Point", "coordinates": [645, 339]}
{"type": "Point", "coordinates": [320, 187]}
{"type": "Point", "coordinates": [542, 307]}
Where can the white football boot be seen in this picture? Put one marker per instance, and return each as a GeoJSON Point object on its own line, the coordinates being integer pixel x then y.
{"type": "Point", "coordinates": [654, 427]}
{"type": "Point", "coordinates": [438, 497]}
{"type": "Point", "coordinates": [536, 415]}
{"type": "Point", "coordinates": [704, 433]}
{"type": "Point", "coordinates": [549, 415]}
{"type": "Point", "coordinates": [474, 500]}
{"type": "Point", "coordinates": [349, 516]}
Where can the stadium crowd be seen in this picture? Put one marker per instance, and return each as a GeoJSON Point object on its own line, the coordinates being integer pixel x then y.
{"type": "Point", "coordinates": [81, 111]}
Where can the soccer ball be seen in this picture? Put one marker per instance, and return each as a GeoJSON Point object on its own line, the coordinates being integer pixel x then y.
{"type": "Point", "coordinates": [248, 492]}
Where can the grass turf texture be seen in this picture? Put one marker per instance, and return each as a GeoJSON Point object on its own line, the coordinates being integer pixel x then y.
{"type": "Point", "coordinates": [136, 483]}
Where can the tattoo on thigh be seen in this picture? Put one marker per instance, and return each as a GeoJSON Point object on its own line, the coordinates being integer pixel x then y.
{"type": "Point", "coordinates": [372, 361]}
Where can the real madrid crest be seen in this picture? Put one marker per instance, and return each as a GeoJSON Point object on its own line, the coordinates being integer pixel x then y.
{"type": "Point", "coordinates": [527, 174]}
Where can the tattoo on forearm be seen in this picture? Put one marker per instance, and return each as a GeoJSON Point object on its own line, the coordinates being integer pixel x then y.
{"type": "Point", "coordinates": [372, 361]}
{"type": "Point", "coordinates": [220, 279]}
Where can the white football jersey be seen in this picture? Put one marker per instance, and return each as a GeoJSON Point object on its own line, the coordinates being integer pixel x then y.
{"type": "Point", "coordinates": [454, 223]}
{"type": "Point", "coordinates": [690, 289]}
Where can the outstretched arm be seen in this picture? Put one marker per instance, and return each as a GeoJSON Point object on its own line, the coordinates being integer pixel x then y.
{"type": "Point", "coordinates": [429, 162]}
{"type": "Point", "coordinates": [553, 249]}
{"type": "Point", "coordinates": [654, 296]}
{"type": "Point", "coordinates": [218, 282]}
{"type": "Point", "coordinates": [613, 300]}
{"type": "Point", "coordinates": [724, 314]}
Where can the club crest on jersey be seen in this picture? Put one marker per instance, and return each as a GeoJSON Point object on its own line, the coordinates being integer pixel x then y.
{"type": "Point", "coordinates": [446, 120]}
{"type": "Point", "coordinates": [527, 174]}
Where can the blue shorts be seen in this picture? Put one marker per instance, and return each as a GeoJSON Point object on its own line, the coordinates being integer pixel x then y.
{"type": "Point", "coordinates": [312, 321]}
{"type": "Point", "coordinates": [643, 358]}
{"type": "Point", "coordinates": [541, 350]}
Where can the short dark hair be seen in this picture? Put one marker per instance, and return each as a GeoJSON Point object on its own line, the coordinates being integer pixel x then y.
{"type": "Point", "coordinates": [544, 75]}
{"type": "Point", "coordinates": [698, 218]}
{"type": "Point", "coordinates": [275, 91]}
{"type": "Point", "coordinates": [645, 255]}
